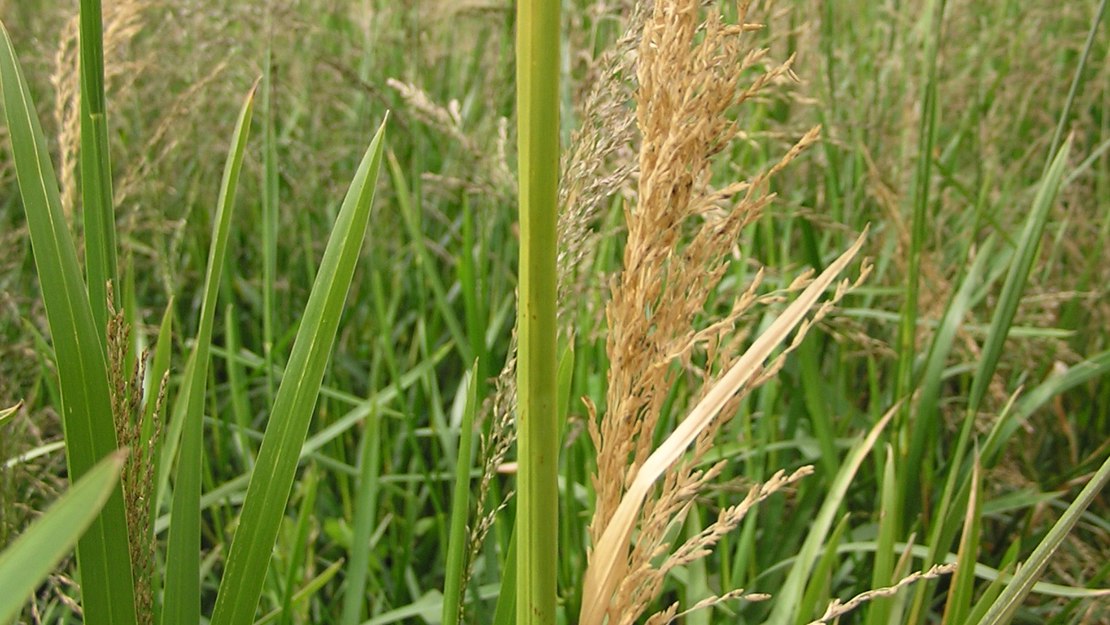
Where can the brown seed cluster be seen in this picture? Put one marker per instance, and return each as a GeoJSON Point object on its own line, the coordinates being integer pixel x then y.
{"type": "Point", "coordinates": [138, 428]}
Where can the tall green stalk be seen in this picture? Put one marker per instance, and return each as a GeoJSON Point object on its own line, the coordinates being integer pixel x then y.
{"type": "Point", "coordinates": [95, 166]}
{"type": "Point", "coordinates": [537, 84]}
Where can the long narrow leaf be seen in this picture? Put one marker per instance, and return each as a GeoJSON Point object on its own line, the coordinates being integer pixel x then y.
{"type": "Point", "coordinates": [268, 491]}
{"type": "Point", "coordinates": [460, 506]}
{"type": "Point", "coordinates": [787, 598]}
{"type": "Point", "coordinates": [95, 165]}
{"type": "Point", "coordinates": [1003, 609]}
{"type": "Point", "coordinates": [30, 559]}
{"type": "Point", "coordinates": [182, 591]}
{"type": "Point", "coordinates": [369, 466]}
{"type": "Point", "coordinates": [1018, 274]}
{"type": "Point", "coordinates": [102, 554]}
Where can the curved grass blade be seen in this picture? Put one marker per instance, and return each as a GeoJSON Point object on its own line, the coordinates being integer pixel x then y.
{"type": "Point", "coordinates": [31, 558]}
{"type": "Point", "coordinates": [182, 589]}
{"type": "Point", "coordinates": [1002, 610]}
{"type": "Point", "coordinates": [1092, 368]}
{"type": "Point", "coordinates": [956, 482]}
{"type": "Point", "coordinates": [272, 478]}
{"type": "Point", "coordinates": [102, 553]}
{"type": "Point", "coordinates": [789, 596]}
{"type": "Point", "coordinates": [1018, 274]}
{"type": "Point", "coordinates": [962, 586]}
{"type": "Point", "coordinates": [8, 412]}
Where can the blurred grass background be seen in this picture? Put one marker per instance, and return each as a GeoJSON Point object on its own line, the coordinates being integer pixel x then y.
{"type": "Point", "coordinates": [436, 285]}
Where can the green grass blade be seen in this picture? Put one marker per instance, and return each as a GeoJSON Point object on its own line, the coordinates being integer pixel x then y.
{"type": "Point", "coordinates": [820, 580]}
{"type": "Point", "coordinates": [787, 599]}
{"type": "Point", "coordinates": [1092, 368]}
{"type": "Point", "coordinates": [1077, 78]}
{"type": "Point", "coordinates": [537, 87]}
{"type": "Point", "coordinates": [926, 424]}
{"type": "Point", "coordinates": [505, 612]}
{"type": "Point", "coordinates": [369, 466]}
{"type": "Point", "coordinates": [995, 586]}
{"type": "Point", "coordinates": [30, 559]}
{"type": "Point", "coordinates": [457, 544]}
{"type": "Point", "coordinates": [1002, 610]}
{"type": "Point", "coordinates": [238, 387]}
{"type": "Point", "coordinates": [956, 482]}
{"type": "Point", "coordinates": [95, 166]}
{"type": "Point", "coordinates": [1018, 275]}
{"type": "Point", "coordinates": [182, 589]}
{"type": "Point", "coordinates": [268, 492]}
{"type": "Point", "coordinates": [962, 587]}
{"type": "Point", "coordinates": [425, 259]}
{"type": "Point", "coordinates": [883, 572]}
{"type": "Point", "coordinates": [102, 554]}
{"type": "Point", "coordinates": [300, 545]}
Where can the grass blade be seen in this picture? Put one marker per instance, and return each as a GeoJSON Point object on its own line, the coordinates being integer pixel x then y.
{"type": "Point", "coordinates": [962, 586]}
{"type": "Point", "coordinates": [95, 166]}
{"type": "Point", "coordinates": [457, 544]}
{"type": "Point", "coordinates": [369, 466]}
{"type": "Point", "coordinates": [789, 596]}
{"type": "Point", "coordinates": [30, 559]}
{"type": "Point", "coordinates": [299, 547]}
{"type": "Point", "coordinates": [182, 590]}
{"type": "Point", "coordinates": [883, 571]}
{"type": "Point", "coordinates": [102, 553]}
{"type": "Point", "coordinates": [1018, 274]}
{"type": "Point", "coordinates": [268, 491]}
{"type": "Point", "coordinates": [1002, 610]}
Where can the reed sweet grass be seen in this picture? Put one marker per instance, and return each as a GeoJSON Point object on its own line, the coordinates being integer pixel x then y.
{"type": "Point", "coordinates": [681, 237]}
{"type": "Point", "coordinates": [716, 471]}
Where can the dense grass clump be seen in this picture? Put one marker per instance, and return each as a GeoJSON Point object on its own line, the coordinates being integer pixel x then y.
{"type": "Point", "coordinates": [322, 427]}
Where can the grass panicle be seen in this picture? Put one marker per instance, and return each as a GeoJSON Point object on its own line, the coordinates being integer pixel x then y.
{"type": "Point", "coordinates": [681, 235]}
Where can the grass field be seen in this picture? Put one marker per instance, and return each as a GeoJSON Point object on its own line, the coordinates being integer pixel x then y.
{"type": "Point", "coordinates": [940, 167]}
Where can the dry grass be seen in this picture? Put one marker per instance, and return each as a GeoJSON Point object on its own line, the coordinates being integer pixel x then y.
{"type": "Point", "coordinates": [681, 238]}
{"type": "Point", "coordinates": [837, 608]}
{"type": "Point", "coordinates": [122, 22]}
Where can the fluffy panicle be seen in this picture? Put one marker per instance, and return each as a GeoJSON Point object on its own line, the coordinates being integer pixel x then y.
{"type": "Point", "coordinates": [682, 235]}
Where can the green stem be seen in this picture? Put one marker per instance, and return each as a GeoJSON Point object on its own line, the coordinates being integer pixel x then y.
{"type": "Point", "coordinates": [96, 169]}
{"type": "Point", "coordinates": [537, 82]}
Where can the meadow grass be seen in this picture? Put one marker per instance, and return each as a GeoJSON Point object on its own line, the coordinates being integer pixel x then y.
{"type": "Point", "coordinates": [970, 137]}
